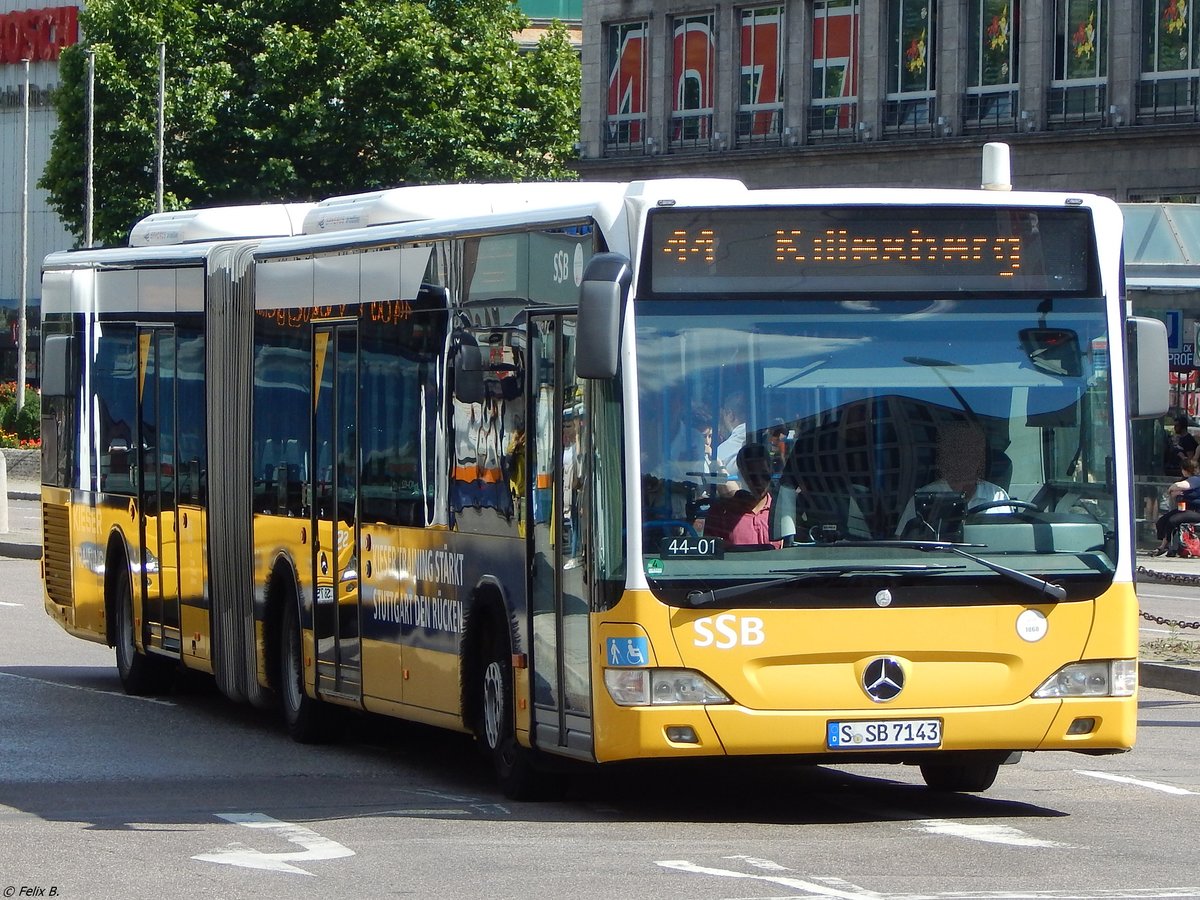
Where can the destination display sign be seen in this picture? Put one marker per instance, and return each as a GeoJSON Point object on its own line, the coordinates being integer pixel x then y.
{"type": "Point", "coordinates": [869, 249]}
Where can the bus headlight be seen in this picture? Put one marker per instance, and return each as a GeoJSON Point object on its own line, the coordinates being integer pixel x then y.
{"type": "Point", "coordinates": [1104, 678]}
{"type": "Point", "coordinates": [661, 687]}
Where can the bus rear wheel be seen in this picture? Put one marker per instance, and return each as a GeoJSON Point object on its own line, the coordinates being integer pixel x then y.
{"type": "Point", "coordinates": [140, 675]}
{"type": "Point", "coordinates": [964, 777]}
{"type": "Point", "coordinates": [516, 770]}
{"type": "Point", "coordinates": [306, 718]}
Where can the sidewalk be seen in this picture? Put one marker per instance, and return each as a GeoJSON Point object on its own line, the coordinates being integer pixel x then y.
{"type": "Point", "coordinates": [1179, 672]}
{"type": "Point", "coordinates": [23, 540]}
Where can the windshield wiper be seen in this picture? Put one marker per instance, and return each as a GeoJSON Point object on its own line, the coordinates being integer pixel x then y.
{"type": "Point", "coordinates": [713, 596]}
{"type": "Point", "coordinates": [1043, 587]}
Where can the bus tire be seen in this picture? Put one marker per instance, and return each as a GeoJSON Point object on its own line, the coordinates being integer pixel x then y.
{"type": "Point", "coordinates": [306, 718]}
{"type": "Point", "coordinates": [516, 769]}
{"type": "Point", "coordinates": [963, 777]}
{"type": "Point", "coordinates": [140, 675]}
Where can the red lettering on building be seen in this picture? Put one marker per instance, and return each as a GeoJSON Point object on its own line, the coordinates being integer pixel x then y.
{"type": "Point", "coordinates": [38, 35]}
{"type": "Point", "coordinates": [627, 79]}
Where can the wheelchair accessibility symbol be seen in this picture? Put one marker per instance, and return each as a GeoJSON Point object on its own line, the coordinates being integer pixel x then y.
{"type": "Point", "coordinates": [628, 651]}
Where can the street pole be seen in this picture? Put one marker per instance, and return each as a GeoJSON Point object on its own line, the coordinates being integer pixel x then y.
{"type": "Point", "coordinates": [89, 157]}
{"type": "Point", "coordinates": [162, 106]}
{"type": "Point", "coordinates": [24, 247]}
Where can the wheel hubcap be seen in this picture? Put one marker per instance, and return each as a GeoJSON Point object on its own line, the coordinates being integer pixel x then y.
{"type": "Point", "coordinates": [292, 676]}
{"type": "Point", "coordinates": [493, 704]}
{"type": "Point", "coordinates": [125, 648]}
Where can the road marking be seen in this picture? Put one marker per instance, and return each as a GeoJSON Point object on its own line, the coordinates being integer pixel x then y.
{"type": "Point", "coordinates": [816, 890]}
{"type": "Point", "coordinates": [1171, 893]}
{"type": "Point", "coordinates": [80, 687]}
{"type": "Point", "coordinates": [1125, 779]}
{"type": "Point", "coordinates": [988, 834]}
{"type": "Point", "coordinates": [476, 806]}
{"type": "Point", "coordinates": [6, 603]}
{"type": "Point", "coordinates": [238, 854]}
{"type": "Point", "coordinates": [838, 887]}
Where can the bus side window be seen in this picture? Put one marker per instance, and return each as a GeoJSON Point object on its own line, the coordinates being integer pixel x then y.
{"type": "Point", "coordinates": [115, 400]}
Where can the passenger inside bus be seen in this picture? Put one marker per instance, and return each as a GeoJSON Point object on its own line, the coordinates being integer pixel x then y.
{"type": "Point", "coordinates": [744, 519]}
{"type": "Point", "coordinates": [961, 459]}
{"type": "Point", "coordinates": [732, 423]}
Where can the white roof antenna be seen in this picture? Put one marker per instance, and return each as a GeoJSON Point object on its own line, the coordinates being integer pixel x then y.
{"type": "Point", "coordinates": [997, 173]}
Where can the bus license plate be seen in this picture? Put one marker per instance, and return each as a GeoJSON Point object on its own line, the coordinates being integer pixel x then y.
{"type": "Point", "coordinates": [324, 593]}
{"type": "Point", "coordinates": [874, 733]}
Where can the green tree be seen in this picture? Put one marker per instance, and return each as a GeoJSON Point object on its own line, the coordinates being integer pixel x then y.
{"type": "Point", "coordinates": [272, 100]}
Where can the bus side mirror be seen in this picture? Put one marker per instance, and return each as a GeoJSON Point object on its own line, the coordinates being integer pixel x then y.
{"type": "Point", "coordinates": [1149, 375]}
{"type": "Point", "coordinates": [468, 369]}
{"type": "Point", "coordinates": [606, 283]}
{"type": "Point", "coordinates": [56, 358]}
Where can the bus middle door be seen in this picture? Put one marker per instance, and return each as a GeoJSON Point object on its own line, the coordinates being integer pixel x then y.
{"type": "Point", "coordinates": [335, 510]}
{"type": "Point", "coordinates": [559, 594]}
{"type": "Point", "coordinates": [155, 486]}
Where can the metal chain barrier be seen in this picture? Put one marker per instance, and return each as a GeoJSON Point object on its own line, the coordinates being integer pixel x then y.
{"type": "Point", "coordinates": [1169, 578]}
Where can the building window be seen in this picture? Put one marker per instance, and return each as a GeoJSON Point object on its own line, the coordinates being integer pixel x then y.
{"type": "Point", "coordinates": [1170, 61]}
{"type": "Point", "coordinates": [694, 54]}
{"type": "Point", "coordinates": [760, 96]}
{"type": "Point", "coordinates": [990, 99]}
{"type": "Point", "coordinates": [625, 113]}
{"type": "Point", "coordinates": [834, 111]}
{"type": "Point", "coordinates": [908, 109]}
{"type": "Point", "coordinates": [1078, 92]}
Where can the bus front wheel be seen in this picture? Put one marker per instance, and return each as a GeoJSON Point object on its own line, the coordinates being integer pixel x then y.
{"type": "Point", "coordinates": [965, 777]}
{"type": "Point", "coordinates": [140, 675]}
{"type": "Point", "coordinates": [516, 771]}
{"type": "Point", "coordinates": [305, 718]}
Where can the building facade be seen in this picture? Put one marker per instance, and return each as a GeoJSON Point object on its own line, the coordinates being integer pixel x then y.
{"type": "Point", "coordinates": [38, 35]}
{"type": "Point", "coordinates": [1093, 95]}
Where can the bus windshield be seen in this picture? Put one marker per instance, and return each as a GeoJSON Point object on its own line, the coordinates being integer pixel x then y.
{"type": "Point", "coordinates": [844, 437]}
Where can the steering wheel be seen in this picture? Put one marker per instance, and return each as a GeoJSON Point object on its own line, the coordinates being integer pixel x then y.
{"type": "Point", "coordinates": [995, 504]}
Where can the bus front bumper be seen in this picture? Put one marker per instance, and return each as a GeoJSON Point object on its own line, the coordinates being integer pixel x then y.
{"type": "Point", "coordinates": [1085, 724]}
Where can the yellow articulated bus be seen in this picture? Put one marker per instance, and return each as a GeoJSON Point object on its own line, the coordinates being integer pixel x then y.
{"type": "Point", "coordinates": [600, 472]}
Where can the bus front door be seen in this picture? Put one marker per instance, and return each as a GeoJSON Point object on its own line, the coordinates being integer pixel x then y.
{"type": "Point", "coordinates": [559, 598]}
{"type": "Point", "coordinates": [334, 490]}
{"type": "Point", "coordinates": [155, 485]}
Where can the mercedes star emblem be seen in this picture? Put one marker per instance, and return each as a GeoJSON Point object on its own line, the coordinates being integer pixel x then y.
{"type": "Point", "coordinates": [883, 679]}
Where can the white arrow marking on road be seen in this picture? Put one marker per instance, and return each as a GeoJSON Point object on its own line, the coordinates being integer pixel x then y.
{"type": "Point", "coordinates": [80, 687]}
{"type": "Point", "coordinates": [238, 854]}
{"type": "Point", "coordinates": [819, 890]}
{"type": "Point", "coordinates": [989, 834]}
{"type": "Point", "coordinates": [1125, 779]}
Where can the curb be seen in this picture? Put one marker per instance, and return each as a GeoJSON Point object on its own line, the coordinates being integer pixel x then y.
{"type": "Point", "coordinates": [18, 550]}
{"type": "Point", "coordinates": [1182, 678]}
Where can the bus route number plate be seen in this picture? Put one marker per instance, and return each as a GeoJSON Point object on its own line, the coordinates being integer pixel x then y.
{"type": "Point", "coordinates": [688, 547]}
{"type": "Point", "coordinates": [872, 733]}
